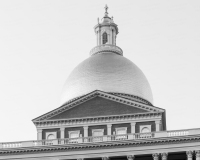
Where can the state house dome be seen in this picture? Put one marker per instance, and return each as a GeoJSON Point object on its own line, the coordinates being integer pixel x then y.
{"type": "Point", "coordinates": [106, 69]}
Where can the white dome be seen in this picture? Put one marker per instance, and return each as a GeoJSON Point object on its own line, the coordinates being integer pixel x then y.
{"type": "Point", "coordinates": [108, 72]}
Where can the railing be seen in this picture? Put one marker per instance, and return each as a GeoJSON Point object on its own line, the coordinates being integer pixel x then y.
{"type": "Point", "coordinates": [98, 139]}
{"type": "Point", "coordinates": [106, 47]}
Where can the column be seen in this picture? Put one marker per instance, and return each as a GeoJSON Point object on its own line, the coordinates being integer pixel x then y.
{"type": "Point", "coordinates": [62, 133]}
{"type": "Point", "coordinates": [157, 126]}
{"type": "Point", "coordinates": [155, 156]}
{"type": "Point", "coordinates": [130, 157]}
{"type": "Point", "coordinates": [189, 155]}
{"type": "Point", "coordinates": [197, 155]}
{"type": "Point", "coordinates": [39, 134]}
{"type": "Point", "coordinates": [109, 126]}
{"type": "Point", "coordinates": [133, 127]}
{"type": "Point", "coordinates": [164, 156]}
{"type": "Point", "coordinates": [85, 131]}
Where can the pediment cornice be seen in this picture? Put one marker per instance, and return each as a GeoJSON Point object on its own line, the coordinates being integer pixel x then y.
{"type": "Point", "coordinates": [94, 94]}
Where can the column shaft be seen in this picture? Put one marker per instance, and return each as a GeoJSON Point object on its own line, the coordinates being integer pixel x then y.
{"type": "Point", "coordinates": [109, 126]}
{"type": "Point", "coordinates": [85, 131]}
{"type": "Point", "coordinates": [133, 127]}
{"type": "Point", "coordinates": [39, 134]}
{"type": "Point", "coordinates": [62, 133]}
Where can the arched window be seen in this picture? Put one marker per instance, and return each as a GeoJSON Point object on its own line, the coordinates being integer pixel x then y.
{"type": "Point", "coordinates": [105, 38]}
{"type": "Point", "coordinates": [145, 130]}
{"type": "Point", "coordinates": [50, 136]}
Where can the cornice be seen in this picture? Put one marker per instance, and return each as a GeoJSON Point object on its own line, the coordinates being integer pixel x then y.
{"type": "Point", "coordinates": [100, 145]}
{"type": "Point", "coordinates": [94, 94]}
{"type": "Point", "coordinates": [100, 120]}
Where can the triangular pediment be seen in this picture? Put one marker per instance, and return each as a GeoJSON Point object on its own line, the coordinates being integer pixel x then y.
{"type": "Point", "coordinates": [98, 106]}
{"type": "Point", "coordinates": [95, 104]}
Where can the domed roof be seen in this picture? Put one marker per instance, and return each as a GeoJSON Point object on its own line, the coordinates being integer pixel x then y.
{"type": "Point", "coordinates": [108, 72]}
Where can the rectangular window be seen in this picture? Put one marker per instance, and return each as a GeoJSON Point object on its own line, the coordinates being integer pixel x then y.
{"type": "Point", "coordinates": [121, 133]}
{"type": "Point", "coordinates": [74, 134]}
{"type": "Point", "coordinates": [97, 135]}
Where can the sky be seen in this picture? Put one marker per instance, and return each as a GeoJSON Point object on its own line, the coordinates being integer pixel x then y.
{"type": "Point", "coordinates": [41, 41]}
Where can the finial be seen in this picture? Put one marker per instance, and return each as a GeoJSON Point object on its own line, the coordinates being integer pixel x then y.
{"type": "Point", "coordinates": [98, 20]}
{"type": "Point", "coordinates": [106, 10]}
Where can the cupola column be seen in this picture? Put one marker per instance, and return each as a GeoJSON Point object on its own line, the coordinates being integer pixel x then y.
{"type": "Point", "coordinates": [62, 133]}
{"type": "Point", "coordinates": [109, 126]}
{"type": "Point", "coordinates": [39, 134]}
{"type": "Point", "coordinates": [157, 126]}
{"type": "Point", "coordinates": [133, 127]}
{"type": "Point", "coordinates": [85, 131]}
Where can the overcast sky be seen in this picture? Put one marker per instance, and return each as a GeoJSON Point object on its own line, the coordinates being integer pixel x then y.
{"type": "Point", "coordinates": [41, 41]}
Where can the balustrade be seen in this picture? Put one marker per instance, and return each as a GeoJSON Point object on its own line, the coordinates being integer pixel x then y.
{"type": "Point", "coordinates": [96, 139]}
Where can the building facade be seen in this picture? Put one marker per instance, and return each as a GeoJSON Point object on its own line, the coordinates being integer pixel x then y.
{"type": "Point", "coordinates": [106, 112]}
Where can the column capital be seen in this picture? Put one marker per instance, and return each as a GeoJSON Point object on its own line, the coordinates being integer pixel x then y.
{"type": "Point", "coordinates": [155, 156]}
{"type": "Point", "coordinates": [62, 128]}
{"type": "Point", "coordinates": [105, 158]}
{"type": "Point", "coordinates": [109, 125]}
{"type": "Point", "coordinates": [130, 157]}
{"type": "Point", "coordinates": [157, 121]}
{"type": "Point", "coordinates": [39, 130]}
{"type": "Point", "coordinates": [85, 127]}
{"type": "Point", "coordinates": [197, 154]}
{"type": "Point", "coordinates": [189, 154]}
{"type": "Point", "coordinates": [80, 158]}
{"type": "Point", "coordinates": [164, 156]}
{"type": "Point", "coordinates": [133, 123]}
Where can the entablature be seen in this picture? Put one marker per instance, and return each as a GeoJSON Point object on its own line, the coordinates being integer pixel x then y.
{"type": "Point", "coordinates": [141, 117]}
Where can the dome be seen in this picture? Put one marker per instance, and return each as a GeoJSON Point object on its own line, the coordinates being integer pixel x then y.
{"type": "Point", "coordinates": [108, 72]}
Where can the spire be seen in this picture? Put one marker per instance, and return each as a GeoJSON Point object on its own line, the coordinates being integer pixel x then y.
{"type": "Point", "coordinates": [106, 10]}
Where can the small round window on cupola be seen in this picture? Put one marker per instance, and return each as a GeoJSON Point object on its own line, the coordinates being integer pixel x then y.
{"type": "Point", "coordinates": [105, 38]}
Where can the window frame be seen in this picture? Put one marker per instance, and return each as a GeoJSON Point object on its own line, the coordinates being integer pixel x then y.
{"type": "Point", "coordinates": [70, 132]}
{"type": "Point", "coordinates": [145, 126]}
{"type": "Point", "coordinates": [93, 130]}
{"type": "Point", "coordinates": [49, 133]}
{"type": "Point", "coordinates": [120, 128]}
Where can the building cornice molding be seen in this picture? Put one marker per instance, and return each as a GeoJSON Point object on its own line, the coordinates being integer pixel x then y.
{"type": "Point", "coordinates": [112, 119]}
{"type": "Point", "coordinates": [100, 145]}
{"type": "Point", "coordinates": [94, 94]}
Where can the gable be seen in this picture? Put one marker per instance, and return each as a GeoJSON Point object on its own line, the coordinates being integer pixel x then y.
{"type": "Point", "coordinates": [98, 107]}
